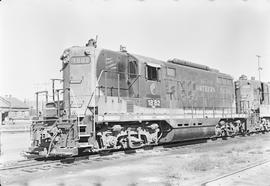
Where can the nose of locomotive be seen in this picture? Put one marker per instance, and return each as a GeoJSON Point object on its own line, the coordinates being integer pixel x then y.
{"type": "Point", "coordinates": [79, 76]}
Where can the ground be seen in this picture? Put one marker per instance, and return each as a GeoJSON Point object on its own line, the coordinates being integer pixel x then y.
{"type": "Point", "coordinates": [185, 165]}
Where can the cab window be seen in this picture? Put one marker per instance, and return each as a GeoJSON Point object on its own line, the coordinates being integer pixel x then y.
{"type": "Point", "coordinates": [132, 69]}
{"type": "Point", "coordinates": [151, 73]}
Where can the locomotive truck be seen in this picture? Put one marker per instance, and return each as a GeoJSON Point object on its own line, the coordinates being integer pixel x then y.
{"type": "Point", "coordinates": [113, 100]}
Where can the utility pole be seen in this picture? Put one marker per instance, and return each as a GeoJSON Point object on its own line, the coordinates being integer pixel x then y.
{"type": "Point", "coordinates": [259, 68]}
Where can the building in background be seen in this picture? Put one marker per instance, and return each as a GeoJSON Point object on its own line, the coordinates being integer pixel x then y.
{"type": "Point", "coordinates": [12, 109]}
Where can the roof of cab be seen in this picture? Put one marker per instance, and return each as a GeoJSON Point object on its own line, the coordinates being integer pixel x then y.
{"type": "Point", "coordinates": [148, 59]}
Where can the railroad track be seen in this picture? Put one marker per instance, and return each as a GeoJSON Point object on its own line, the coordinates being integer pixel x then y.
{"type": "Point", "coordinates": [32, 165]}
{"type": "Point", "coordinates": [22, 164]}
{"type": "Point", "coordinates": [235, 172]}
{"type": "Point", "coordinates": [105, 155]}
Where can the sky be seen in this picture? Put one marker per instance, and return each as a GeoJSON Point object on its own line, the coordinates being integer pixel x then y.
{"type": "Point", "coordinates": [222, 34]}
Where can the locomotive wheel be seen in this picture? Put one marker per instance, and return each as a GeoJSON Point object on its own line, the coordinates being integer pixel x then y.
{"type": "Point", "coordinates": [224, 133]}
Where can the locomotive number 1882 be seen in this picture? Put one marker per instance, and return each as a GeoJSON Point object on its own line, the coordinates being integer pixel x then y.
{"type": "Point", "coordinates": [155, 103]}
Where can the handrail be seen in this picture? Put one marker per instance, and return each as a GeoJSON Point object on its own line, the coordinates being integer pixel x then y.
{"type": "Point", "coordinates": [37, 94]}
{"type": "Point", "coordinates": [100, 75]}
{"type": "Point", "coordinates": [101, 87]}
{"type": "Point", "coordinates": [73, 96]}
{"type": "Point", "coordinates": [94, 89]}
{"type": "Point", "coordinates": [56, 119]}
{"type": "Point", "coordinates": [134, 81]}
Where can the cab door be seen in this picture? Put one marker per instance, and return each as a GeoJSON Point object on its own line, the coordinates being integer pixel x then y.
{"type": "Point", "coordinates": [133, 78]}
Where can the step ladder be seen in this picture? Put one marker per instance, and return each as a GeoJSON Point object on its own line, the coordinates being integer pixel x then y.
{"type": "Point", "coordinates": [84, 133]}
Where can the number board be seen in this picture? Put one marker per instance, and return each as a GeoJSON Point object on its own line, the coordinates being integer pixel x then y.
{"type": "Point", "coordinates": [154, 103]}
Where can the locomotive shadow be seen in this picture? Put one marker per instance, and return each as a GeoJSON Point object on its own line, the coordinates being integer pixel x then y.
{"type": "Point", "coordinates": [185, 143]}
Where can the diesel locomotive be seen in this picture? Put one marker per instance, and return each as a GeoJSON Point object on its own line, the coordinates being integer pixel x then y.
{"type": "Point", "coordinates": [113, 100]}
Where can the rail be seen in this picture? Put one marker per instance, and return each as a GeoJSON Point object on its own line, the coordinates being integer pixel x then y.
{"type": "Point", "coordinates": [93, 92]}
{"type": "Point", "coordinates": [37, 94]}
{"type": "Point", "coordinates": [257, 164]}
